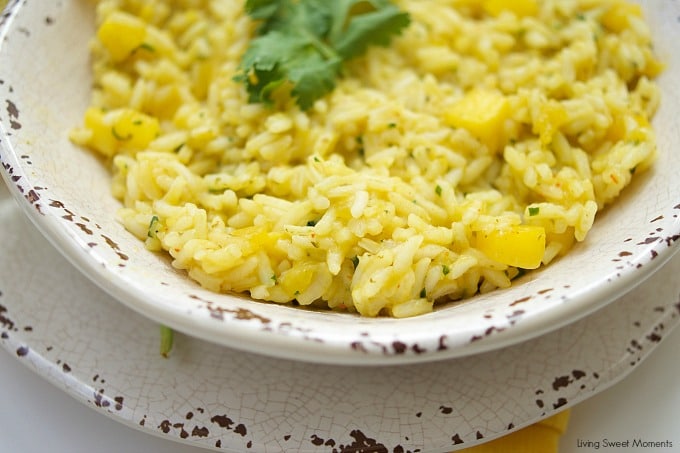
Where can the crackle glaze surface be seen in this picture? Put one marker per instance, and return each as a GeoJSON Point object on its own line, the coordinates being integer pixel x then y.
{"type": "Point", "coordinates": [59, 324]}
{"type": "Point", "coordinates": [65, 192]}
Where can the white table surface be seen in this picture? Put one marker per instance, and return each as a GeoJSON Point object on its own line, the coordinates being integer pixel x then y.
{"type": "Point", "coordinates": [646, 404]}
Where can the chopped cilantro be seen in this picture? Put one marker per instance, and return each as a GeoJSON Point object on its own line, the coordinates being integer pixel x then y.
{"type": "Point", "coordinates": [305, 42]}
{"type": "Point", "coordinates": [153, 227]}
{"type": "Point", "coordinates": [119, 137]}
{"type": "Point", "coordinates": [167, 339]}
{"type": "Point", "coordinates": [146, 46]}
{"type": "Point", "coordinates": [355, 261]}
{"type": "Point", "coordinates": [534, 210]}
{"type": "Point", "coordinates": [445, 269]}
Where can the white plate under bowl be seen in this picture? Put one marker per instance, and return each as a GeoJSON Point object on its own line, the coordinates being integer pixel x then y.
{"type": "Point", "coordinates": [54, 321]}
{"type": "Point", "coordinates": [44, 90]}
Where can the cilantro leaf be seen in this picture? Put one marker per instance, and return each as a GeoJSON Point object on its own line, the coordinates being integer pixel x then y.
{"type": "Point", "coordinates": [305, 42]}
{"type": "Point", "coordinates": [262, 9]}
{"type": "Point", "coordinates": [312, 78]}
{"type": "Point", "coordinates": [352, 34]}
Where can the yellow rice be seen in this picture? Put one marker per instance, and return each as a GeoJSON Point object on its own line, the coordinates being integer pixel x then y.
{"type": "Point", "coordinates": [398, 190]}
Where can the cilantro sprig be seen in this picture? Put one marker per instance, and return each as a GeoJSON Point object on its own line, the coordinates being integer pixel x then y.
{"type": "Point", "coordinates": [305, 43]}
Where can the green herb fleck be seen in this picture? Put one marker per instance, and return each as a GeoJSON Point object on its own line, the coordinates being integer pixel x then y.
{"type": "Point", "coordinates": [146, 46]}
{"type": "Point", "coordinates": [152, 231]}
{"type": "Point", "coordinates": [167, 339]}
{"type": "Point", "coordinates": [311, 223]}
{"type": "Point", "coordinates": [304, 43]}
{"type": "Point", "coordinates": [438, 190]}
{"type": "Point", "coordinates": [445, 269]}
{"type": "Point", "coordinates": [423, 293]}
{"type": "Point", "coordinates": [120, 138]}
{"type": "Point", "coordinates": [534, 210]}
{"type": "Point", "coordinates": [355, 261]}
{"type": "Point", "coordinates": [360, 142]}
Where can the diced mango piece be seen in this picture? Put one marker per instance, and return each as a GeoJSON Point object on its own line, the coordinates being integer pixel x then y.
{"type": "Point", "coordinates": [256, 238]}
{"type": "Point", "coordinates": [520, 8]}
{"type": "Point", "coordinates": [519, 246]}
{"type": "Point", "coordinates": [121, 34]}
{"type": "Point", "coordinates": [297, 279]}
{"type": "Point", "coordinates": [552, 116]}
{"type": "Point", "coordinates": [483, 113]}
{"type": "Point", "coordinates": [134, 129]}
{"type": "Point", "coordinates": [101, 138]}
{"type": "Point", "coordinates": [617, 17]}
{"type": "Point", "coordinates": [116, 128]}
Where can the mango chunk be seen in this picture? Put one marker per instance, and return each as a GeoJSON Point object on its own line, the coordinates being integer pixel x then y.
{"type": "Point", "coordinates": [135, 129]}
{"type": "Point", "coordinates": [297, 279]}
{"type": "Point", "coordinates": [101, 138]}
{"type": "Point", "coordinates": [617, 17]}
{"type": "Point", "coordinates": [483, 113]}
{"type": "Point", "coordinates": [119, 128]}
{"type": "Point", "coordinates": [518, 246]}
{"type": "Point", "coordinates": [121, 34]}
{"type": "Point", "coordinates": [520, 8]}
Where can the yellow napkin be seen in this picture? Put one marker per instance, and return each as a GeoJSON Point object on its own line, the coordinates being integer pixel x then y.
{"type": "Point", "coordinates": [542, 437]}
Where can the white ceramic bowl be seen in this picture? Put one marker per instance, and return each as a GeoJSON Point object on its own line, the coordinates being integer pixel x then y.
{"type": "Point", "coordinates": [44, 89]}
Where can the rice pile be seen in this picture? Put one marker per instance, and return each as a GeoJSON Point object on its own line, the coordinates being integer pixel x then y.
{"type": "Point", "coordinates": [481, 142]}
